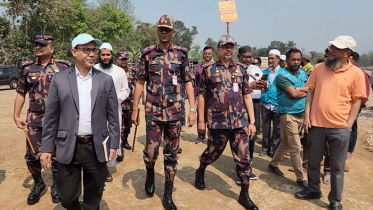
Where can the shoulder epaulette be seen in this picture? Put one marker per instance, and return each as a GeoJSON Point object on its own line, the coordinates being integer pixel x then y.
{"type": "Point", "coordinates": [26, 63]}
{"type": "Point", "coordinates": [66, 62]}
{"type": "Point", "coordinates": [181, 48]}
{"type": "Point", "coordinates": [241, 64]}
{"type": "Point", "coordinates": [148, 49]}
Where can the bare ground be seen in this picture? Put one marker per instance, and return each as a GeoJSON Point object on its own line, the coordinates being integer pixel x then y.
{"type": "Point", "coordinates": [127, 189]}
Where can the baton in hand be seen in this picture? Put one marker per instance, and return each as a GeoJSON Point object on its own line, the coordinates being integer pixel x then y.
{"type": "Point", "coordinates": [134, 137]}
{"type": "Point", "coordinates": [28, 139]}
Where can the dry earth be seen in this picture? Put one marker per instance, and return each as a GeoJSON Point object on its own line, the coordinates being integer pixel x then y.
{"type": "Point", "coordinates": [127, 189]}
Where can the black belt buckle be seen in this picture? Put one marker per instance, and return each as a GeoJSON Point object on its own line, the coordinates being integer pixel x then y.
{"type": "Point", "coordinates": [84, 139]}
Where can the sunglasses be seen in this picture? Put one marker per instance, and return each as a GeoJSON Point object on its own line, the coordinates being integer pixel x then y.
{"type": "Point", "coordinates": [164, 29]}
{"type": "Point", "coordinates": [88, 50]}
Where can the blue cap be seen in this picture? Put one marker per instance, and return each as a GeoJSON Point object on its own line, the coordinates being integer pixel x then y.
{"type": "Point", "coordinates": [84, 39]}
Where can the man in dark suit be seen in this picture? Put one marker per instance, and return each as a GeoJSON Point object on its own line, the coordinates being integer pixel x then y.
{"type": "Point", "coordinates": [82, 111]}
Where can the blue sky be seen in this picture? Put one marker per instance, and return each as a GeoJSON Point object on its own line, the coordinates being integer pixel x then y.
{"type": "Point", "coordinates": [310, 24]}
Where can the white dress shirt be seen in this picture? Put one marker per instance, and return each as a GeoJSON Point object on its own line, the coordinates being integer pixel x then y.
{"type": "Point", "coordinates": [85, 109]}
{"type": "Point", "coordinates": [255, 72]}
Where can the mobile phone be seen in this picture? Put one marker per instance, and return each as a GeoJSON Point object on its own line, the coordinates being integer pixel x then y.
{"type": "Point", "coordinates": [264, 77]}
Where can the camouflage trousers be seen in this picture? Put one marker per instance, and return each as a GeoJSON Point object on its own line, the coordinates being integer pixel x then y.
{"type": "Point", "coordinates": [171, 131]}
{"type": "Point", "coordinates": [126, 125]}
{"type": "Point", "coordinates": [239, 143]}
{"type": "Point", "coordinates": [33, 159]}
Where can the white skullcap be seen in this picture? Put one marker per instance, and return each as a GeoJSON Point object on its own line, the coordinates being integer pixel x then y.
{"type": "Point", "coordinates": [106, 46]}
{"type": "Point", "coordinates": [272, 52]}
{"type": "Point", "coordinates": [283, 57]}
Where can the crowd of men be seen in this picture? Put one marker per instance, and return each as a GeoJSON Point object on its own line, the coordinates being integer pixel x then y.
{"type": "Point", "coordinates": [73, 110]}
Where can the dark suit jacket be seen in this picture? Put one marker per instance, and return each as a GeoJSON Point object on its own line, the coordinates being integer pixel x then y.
{"type": "Point", "coordinates": [62, 115]}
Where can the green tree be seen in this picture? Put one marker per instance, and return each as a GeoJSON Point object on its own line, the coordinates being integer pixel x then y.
{"type": "Point", "coordinates": [122, 5]}
{"type": "Point", "coordinates": [366, 59]}
{"type": "Point", "coordinates": [195, 53]}
{"type": "Point", "coordinates": [214, 44]}
{"type": "Point", "coordinates": [184, 36]}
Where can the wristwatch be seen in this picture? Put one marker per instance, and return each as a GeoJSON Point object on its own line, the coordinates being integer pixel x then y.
{"type": "Point", "coordinates": [252, 122]}
{"type": "Point", "coordinates": [193, 110]}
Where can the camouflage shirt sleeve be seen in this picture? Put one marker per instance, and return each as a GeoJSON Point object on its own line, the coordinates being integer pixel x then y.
{"type": "Point", "coordinates": [22, 82]}
{"type": "Point", "coordinates": [202, 86]}
{"type": "Point", "coordinates": [246, 88]}
{"type": "Point", "coordinates": [142, 73]}
{"type": "Point", "coordinates": [186, 73]}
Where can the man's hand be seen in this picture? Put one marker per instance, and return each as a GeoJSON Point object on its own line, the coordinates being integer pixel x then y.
{"type": "Point", "coordinates": [306, 124]}
{"type": "Point", "coordinates": [202, 127]}
{"type": "Point", "coordinates": [113, 153]}
{"type": "Point", "coordinates": [252, 131]}
{"type": "Point", "coordinates": [19, 122]}
{"type": "Point", "coordinates": [191, 119]}
{"type": "Point", "coordinates": [135, 117]}
{"type": "Point", "coordinates": [45, 160]}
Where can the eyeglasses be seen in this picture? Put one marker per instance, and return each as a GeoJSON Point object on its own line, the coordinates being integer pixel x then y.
{"type": "Point", "coordinates": [164, 29]}
{"type": "Point", "coordinates": [88, 50]}
{"type": "Point", "coordinates": [254, 63]}
{"type": "Point", "coordinates": [40, 44]}
{"type": "Point", "coordinates": [227, 46]}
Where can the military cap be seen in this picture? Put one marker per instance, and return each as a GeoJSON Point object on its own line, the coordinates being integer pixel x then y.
{"type": "Point", "coordinates": [122, 54]}
{"type": "Point", "coordinates": [166, 21]}
{"type": "Point", "coordinates": [44, 39]}
{"type": "Point", "coordinates": [226, 39]}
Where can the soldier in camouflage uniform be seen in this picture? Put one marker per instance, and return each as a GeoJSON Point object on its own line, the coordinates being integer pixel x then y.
{"type": "Point", "coordinates": [35, 79]}
{"type": "Point", "coordinates": [127, 104]}
{"type": "Point", "coordinates": [224, 86]}
{"type": "Point", "coordinates": [164, 67]}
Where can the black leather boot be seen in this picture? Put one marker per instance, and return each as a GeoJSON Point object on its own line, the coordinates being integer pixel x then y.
{"type": "Point", "coordinates": [167, 202]}
{"type": "Point", "coordinates": [39, 185]}
{"type": "Point", "coordinates": [54, 189]}
{"type": "Point", "coordinates": [245, 200]}
{"type": "Point", "coordinates": [149, 183]}
{"type": "Point", "coordinates": [200, 178]}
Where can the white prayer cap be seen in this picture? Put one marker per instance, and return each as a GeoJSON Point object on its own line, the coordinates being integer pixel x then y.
{"type": "Point", "coordinates": [283, 57]}
{"type": "Point", "coordinates": [106, 46]}
{"type": "Point", "coordinates": [272, 52]}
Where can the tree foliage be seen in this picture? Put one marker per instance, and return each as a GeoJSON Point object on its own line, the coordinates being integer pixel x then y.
{"type": "Point", "coordinates": [184, 36]}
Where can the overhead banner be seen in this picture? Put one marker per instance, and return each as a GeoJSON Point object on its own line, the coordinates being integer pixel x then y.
{"type": "Point", "coordinates": [228, 12]}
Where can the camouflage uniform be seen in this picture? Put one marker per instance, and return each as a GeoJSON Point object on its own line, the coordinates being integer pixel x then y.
{"type": "Point", "coordinates": [35, 80]}
{"type": "Point", "coordinates": [163, 102]}
{"type": "Point", "coordinates": [226, 115]}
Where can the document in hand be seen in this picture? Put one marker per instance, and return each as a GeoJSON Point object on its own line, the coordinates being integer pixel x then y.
{"type": "Point", "coordinates": [106, 145]}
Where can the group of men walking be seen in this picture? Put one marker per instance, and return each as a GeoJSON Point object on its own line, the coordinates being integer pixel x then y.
{"type": "Point", "coordinates": [71, 113]}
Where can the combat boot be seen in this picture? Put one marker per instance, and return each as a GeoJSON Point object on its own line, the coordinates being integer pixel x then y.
{"type": "Point", "coordinates": [149, 183]}
{"type": "Point", "coordinates": [167, 202]}
{"type": "Point", "coordinates": [38, 189]}
{"type": "Point", "coordinates": [54, 189]}
{"type": "Point", "coordinates": [244, 198]}
{"type": "Point", "coordinates": [200, 178]}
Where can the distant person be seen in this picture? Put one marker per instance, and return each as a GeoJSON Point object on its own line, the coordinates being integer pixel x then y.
{"type": "Point", "coordinates": [35, 80]}
{"type": "Point", "coordinates": [283, 63]}
{"type": "Point", "coordinates": [270, 115]}
{"type": "Point", "coordinates": [332, 104]}
{"type": "Point", "coordinates": [306, 62]}
{"type": "Point", "coordinates": [106, 65]}
{"type": "Point", "coordinates": [291, 94]}
{"type": "Point", "coordinates": [257, 61]}
{"type": "Point", "coordinates": [208, 53]}
{"type": "Point", "coordinates": [82, 110]}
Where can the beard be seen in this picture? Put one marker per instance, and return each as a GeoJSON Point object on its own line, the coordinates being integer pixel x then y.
{"type": "Point", "coordinates": [333, 64]}
{"type": "Point", "coordinates": [103, 65]}
{"type": "Point", "coordinates": [292, 68]}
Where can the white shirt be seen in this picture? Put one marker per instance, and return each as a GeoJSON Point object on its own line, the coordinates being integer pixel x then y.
{"type": "Point", "coordinates": [85, 109]}
{"type": "Point", "coordinates": [257, 73]}
{"type": "Point", "coordinates": [120, 80]}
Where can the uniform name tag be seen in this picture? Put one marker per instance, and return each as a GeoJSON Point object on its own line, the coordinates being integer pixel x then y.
{"type": "Point", "coordinates": [33, 74]}
{"type": "Point", "coordinates": [235, 87]}
{"type": "Point", "coordinates": [174, 80]}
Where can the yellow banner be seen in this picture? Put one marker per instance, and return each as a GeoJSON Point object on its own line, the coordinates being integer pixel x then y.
{"type": "Point", "coordinates": [228, 12]}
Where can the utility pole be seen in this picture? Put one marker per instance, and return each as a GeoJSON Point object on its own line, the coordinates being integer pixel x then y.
{"type": "Point", "coordinates": [227, 25]}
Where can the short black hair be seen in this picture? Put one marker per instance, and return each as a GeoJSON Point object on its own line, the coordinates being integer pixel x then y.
{"type": "Point", "coordinates": [244, 49]}
{"type": "Point", "coordinates": [259, 60]}
{"type": "Point", "coordinates": [293, 50]}
{"type": "Point", "coordinates": [355, 56]}
{"type": "Point", "coordinates": [208, 48]}
{"type": "Point", "coordinates": [327, 50]}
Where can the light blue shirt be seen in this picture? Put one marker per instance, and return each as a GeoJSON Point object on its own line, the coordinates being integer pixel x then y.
{"type": "Point", "coordinates": [84, 90]}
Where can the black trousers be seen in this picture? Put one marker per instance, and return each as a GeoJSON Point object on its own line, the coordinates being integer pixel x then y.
{"type": "Point", "coordinates": [270, 142]}
{"type": "Point", "coordinates": [69, 179]}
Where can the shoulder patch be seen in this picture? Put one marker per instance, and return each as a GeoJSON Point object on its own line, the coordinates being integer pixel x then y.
{"type": "Point", "coordinates": [148, 49]}
{"type": "Point", "coordinates": [181, 49]}
{"type": "Point", "coordinates": [241, 64]}
{"type": "Point", "coordinates": [66, 62]}
{"type": "Point", "coordinates": [26, 63]}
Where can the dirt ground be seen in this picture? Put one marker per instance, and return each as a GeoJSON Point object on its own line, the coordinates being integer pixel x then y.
{"type": "Point", "coordinates": [127, 189]}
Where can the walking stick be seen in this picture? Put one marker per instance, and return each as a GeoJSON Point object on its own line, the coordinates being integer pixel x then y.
{"type": "Point", "coordinates": [134, 137]}
{"type": "Point", "coordinates": [28, 139]}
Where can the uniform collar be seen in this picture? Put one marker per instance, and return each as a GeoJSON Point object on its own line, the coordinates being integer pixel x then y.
{"type": "Point", "coordinates": [51, 61]}
{"type": "Point", "coordinates": [159, 47]}
{"type": "Point", "coordinates": [220, 63]}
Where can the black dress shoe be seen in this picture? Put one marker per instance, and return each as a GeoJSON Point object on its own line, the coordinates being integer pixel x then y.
{"type": "Point", "coordinates": [127, 146]}
{"type": "Point", "coordinates": [200, 178]}
{"type": "Point", "coordinates": [36, 193]}
{"type": "Point", "coordinates": [149, 183]}
{"type": "Point", "coordinates": [302, 184]}
{"type": "Point", "coordinates": [167, 201]}
{"type": "Point", "coordinates": [307, 194]}
{"type": "Point", "coordinates": [179, 151]}
{"type": "Point", "coordinates": [120, 158]}
{"type": "Point", "coordinates": [275, 170]}
{"type": "Point", "coordinates": [54, 194]}
{"type": "Point", "coordinates": [335, 206]}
